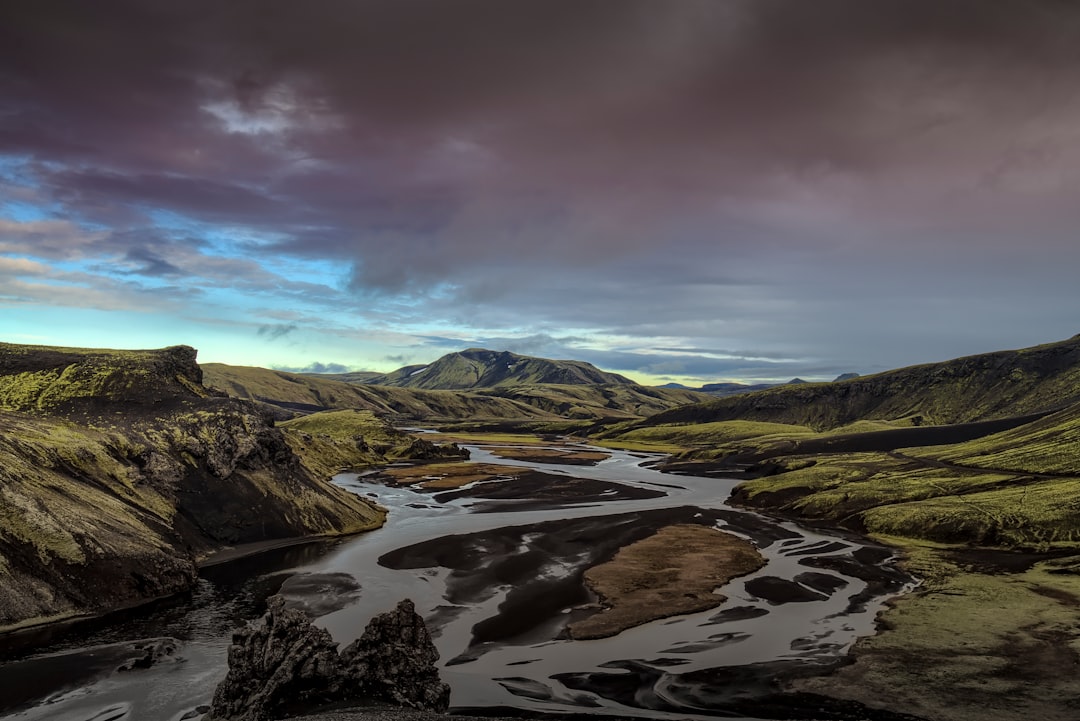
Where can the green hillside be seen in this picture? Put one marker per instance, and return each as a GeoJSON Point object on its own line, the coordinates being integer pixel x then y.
{"type": "Point", "coordinates": [980, 387]}
{"type": "Point", "coordinates": [1050, 445]}
{"type": "Point", "coordinates": [309, 393]}
{"type": "Point", "coordinates": [481, 368]}
{"type": "Point", "coordinates": [506, 403]}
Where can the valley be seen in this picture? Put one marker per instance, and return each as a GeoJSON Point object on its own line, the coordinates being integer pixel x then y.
{"type": "Point", "coordinates": [897, 546]}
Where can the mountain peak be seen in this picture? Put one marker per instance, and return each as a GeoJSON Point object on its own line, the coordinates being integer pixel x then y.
{"type": "Point", "coordinates": [484, 368]}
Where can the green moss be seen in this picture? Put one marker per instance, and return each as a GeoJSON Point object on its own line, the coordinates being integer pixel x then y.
{"type": "Point", "coordinates": [22, 390]}
{"type": "Point", "coordinates": [887, 495]}
{"type": "Point", "coordinates": [1047, 445]}
{"type": "Point", "coordinates": [968, 644]}
{"type": "Point", "coordinates": [346, 425]}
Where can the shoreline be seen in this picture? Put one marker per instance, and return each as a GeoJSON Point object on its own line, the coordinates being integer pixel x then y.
{"type": "Point", "coordinates": [220, 557]}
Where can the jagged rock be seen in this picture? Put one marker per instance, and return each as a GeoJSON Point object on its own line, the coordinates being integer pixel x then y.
{"type": "Point", "coordinates": [283, 662]}
{"type": "Point", "coordinates": [394, 660]}
{"type": "Point", "coordinates": [286, 664]}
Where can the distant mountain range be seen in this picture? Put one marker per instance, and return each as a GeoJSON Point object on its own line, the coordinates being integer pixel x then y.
{"type": "Point", "coordinates": [475, 384]}
{"type": "Point", "coordinates": [731, 389]}
{"type": "Point", "coordinates": [482, 368]}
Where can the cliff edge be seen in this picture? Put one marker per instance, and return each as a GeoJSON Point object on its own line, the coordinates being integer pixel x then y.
{"type": "Point", "coordinates": [119, 470]}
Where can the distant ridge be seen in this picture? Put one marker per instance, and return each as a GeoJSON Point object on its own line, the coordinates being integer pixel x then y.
{"type": "Point", "coordinates": [732, 389]}
{"type": "Point", "coordinates": [973, 388]}
{"type": "Point", "coordinates": [482, 368]}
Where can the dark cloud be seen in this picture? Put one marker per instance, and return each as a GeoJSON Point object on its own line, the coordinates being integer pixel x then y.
{"type": "Point", "coordinates": [828, 179]}
{"type": "Point", "coordinates": [274, 332]}
{"type": "Point", "coordinates": [148, 263]}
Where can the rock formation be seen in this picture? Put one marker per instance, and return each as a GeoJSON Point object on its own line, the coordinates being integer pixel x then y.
{"type": "Point", "coordinates": [287, 664]}
{"type": "Point", "coordinates": [394, 660]}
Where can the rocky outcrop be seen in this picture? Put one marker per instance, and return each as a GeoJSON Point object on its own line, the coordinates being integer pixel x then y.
{"type": "Point", "coordinates": [119, 471]}
{"type": "Point", "coordinates": [394, 660]}
{"type": "Point", "coordinates": [86, 381]}
{"type": "Point", "coordinates": [286, 664]}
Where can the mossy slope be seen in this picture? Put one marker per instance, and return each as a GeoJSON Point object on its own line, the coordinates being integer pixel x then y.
{"type": "Point", "coordinates": [118, 470]}
{"type": "Point", "coordinates": [333, 440]}
{"type": "Point", "coordinates": [980, 387]}
{"type": "Point", "coordinates": [506, 403]}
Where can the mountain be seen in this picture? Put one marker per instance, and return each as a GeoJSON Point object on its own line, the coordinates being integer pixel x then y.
{"type": "Point", "coordinates": [120, 470]}
{"type": "Point", "coordinates": [973, 388]}
{"type": "Point", "coordinates": [480, 368]}
{"type": "Point", "coordinates": [306, 393]}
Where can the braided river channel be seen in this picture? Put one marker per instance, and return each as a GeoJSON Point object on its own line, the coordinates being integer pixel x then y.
{"type": "Point", "coordinates": [497, 579]}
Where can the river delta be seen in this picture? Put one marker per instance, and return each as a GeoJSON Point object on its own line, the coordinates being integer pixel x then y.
{"type": "Point", "coordinates": [497, 569]}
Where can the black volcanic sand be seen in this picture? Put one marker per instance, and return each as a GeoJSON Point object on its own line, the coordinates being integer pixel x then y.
{"type": "Point", "coordinates": [753, 690]}
{"type": "Point", "coordinates": [752, 465]}
{"type": "Point", "coordinates": [31, 679]}
{"type": "Point", "coordinates": [866, 564]}
{"type": "Point", "coordinates": [544, 564]}
{"type": "Point", "coordinates": [526, 558]}
{"type": "Point", "coordinates": [318, 594]}
{"type": "Point", "coordinates": [537, 490]}
{"type": "Point", "coordinates": [779, 590]}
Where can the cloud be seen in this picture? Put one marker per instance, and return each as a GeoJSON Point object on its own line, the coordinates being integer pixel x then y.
{"type": "Point", "coordinates": [827, 180]}
{"type": "Point", "coordinates": [274, 332]}
{"type": "Point", "coordinates": [148, 263]}
{"type": "Point", "coordinates": [22, 267]}
{"type": "Point", "coordinates": [315, 367]}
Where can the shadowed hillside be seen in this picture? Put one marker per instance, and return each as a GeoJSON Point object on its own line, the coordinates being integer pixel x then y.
{"type": "Point", "coordinates": [975, 388]}
{"type": "Point", "coordinates": [119, 470]}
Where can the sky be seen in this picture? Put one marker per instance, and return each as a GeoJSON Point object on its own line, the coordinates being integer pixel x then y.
{"type": "Point", "coordinates": [692, 191]}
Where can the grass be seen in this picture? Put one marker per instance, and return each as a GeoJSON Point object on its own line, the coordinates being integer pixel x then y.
{"type": "Point", "coordinates": [968, 644]}
{"type": "Point", "coordinates": [331, 441]}
{"type": "Point", "coordinates": [639, 446]}
{"type": "Point", "coordinates": [704, 439]}
{"type": "Point", "coordinates": [348, 425]}
{"type": "Point", "coordinates": [878, 493]}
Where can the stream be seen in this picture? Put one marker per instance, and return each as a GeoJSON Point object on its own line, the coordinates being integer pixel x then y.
{"type": "Point", "coordinates": [504, 583]}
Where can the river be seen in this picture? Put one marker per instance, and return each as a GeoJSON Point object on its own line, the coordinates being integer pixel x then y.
{"type": "Point", "coordinates": [500, 637]}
